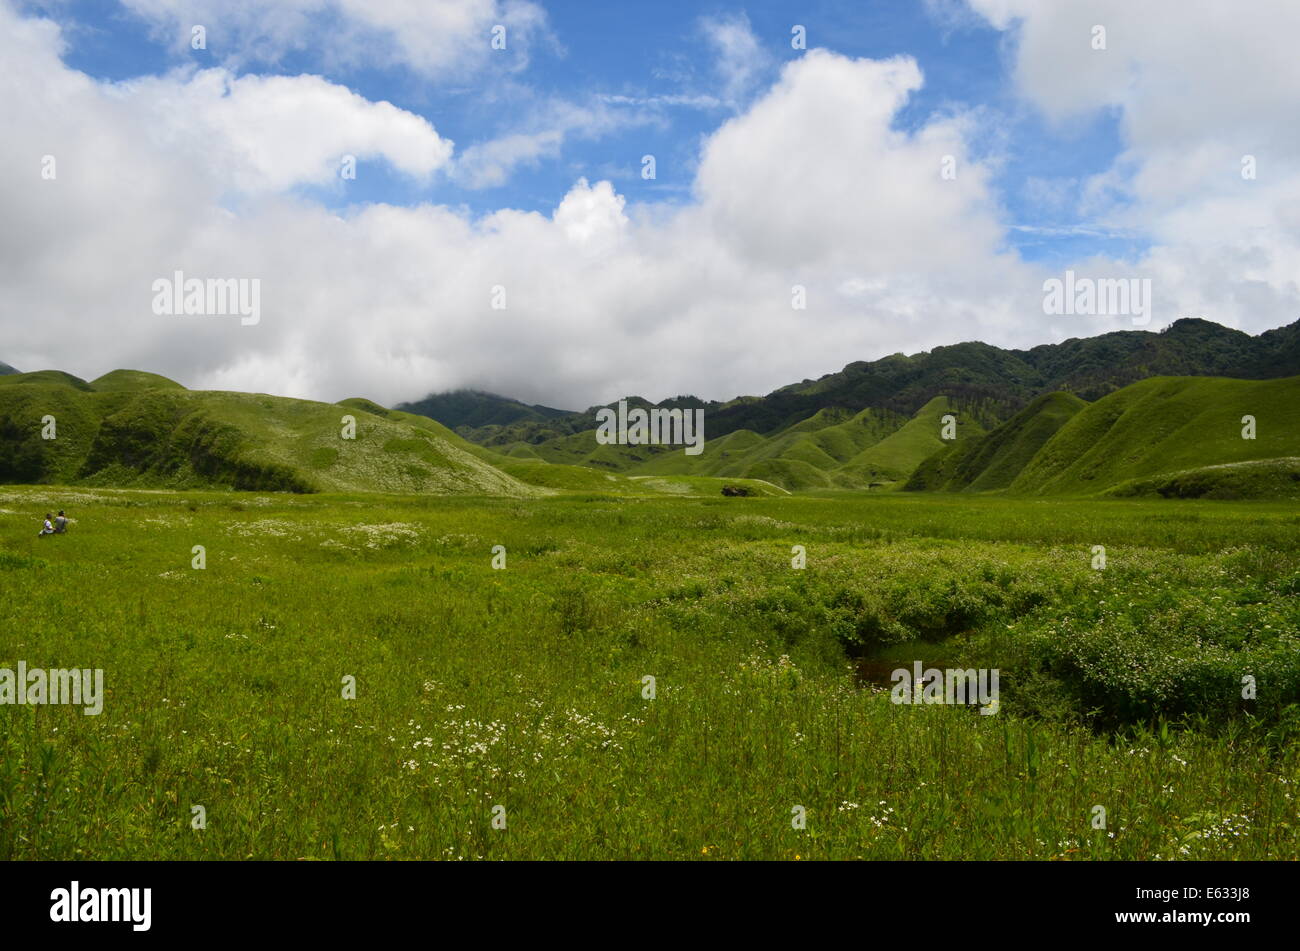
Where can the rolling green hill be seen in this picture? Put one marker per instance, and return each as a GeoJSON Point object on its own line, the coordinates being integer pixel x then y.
{"type": "Point", "coordinates": [875, 424]}
{"type": "Point", "coordinates": [994, 461]}
{"type": "Point", "coordinates": [47, 376]}
{"type": "Point", "coordinates": [1184, 429]}
{"type": "Point", "coordinates": [1089, 367]}
{"type": "Point", "coordinates": [472, 409]}
{"type": "Point", "coordinates": [138, 429]}
{"type": "Point", "coordinates": [832, 449]}
{"type": "Point", "coordinates": [566, 477]}
{"type": "Point", "coordinates": [132, 380]}
{"type": "Point", "coordinates": [895, 457]}
{"type": "Point", "coordinates": [1002, 381]}
{"type": "Point", "coordinates": [1172, 436]}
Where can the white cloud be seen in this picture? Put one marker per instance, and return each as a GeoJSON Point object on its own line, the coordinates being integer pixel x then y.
{"type": "Point", "coordinates": [270, 133]}
{"type": "Point", "coordinates": [592, 217]}
{"type": "Point", "coordinates": [433, 39]}
{"type": "Point", "coordinates": [812, 184]}
{"type": "Point", "coordinates": [1196, 86]}
{"type": "Point", "coordinates": [551, 123]}
{"type": "Point", "coordinates": [741, 59]}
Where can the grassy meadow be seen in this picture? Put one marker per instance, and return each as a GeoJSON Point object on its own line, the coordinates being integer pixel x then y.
{"type": "Point", "coordinates": [523, 687]}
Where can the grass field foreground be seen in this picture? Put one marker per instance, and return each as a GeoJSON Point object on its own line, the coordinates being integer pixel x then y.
{"type": "Point", "coordinates": [518, 696]}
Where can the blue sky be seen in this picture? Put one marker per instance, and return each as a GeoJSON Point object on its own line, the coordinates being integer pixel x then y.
{"type": "Point", "coordinates": [642, 51]}
{"type": "Point", "coordinates": [797, 221]}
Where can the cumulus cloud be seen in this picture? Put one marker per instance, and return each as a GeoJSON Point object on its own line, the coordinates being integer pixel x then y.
{"type": "Point", "coordinates": [603, 297]}
{"type": "Point", "coordinates": [812, 185]}
{"type": "Point", "coordinates": [1199, 90]}
{"type": "Point", "coordinates": [270, 133]}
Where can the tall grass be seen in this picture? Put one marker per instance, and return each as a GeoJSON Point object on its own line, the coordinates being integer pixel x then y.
{"type": "Point", "coordinates": [524, 687]}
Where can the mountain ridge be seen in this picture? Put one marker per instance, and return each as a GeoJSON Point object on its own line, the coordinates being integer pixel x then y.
{"type": "Point", "coordinates": [982, 427]}
{"type": "Point", "coordinates": [1089, 367]}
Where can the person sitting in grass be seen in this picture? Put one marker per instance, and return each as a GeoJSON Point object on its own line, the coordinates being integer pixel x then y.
{"type": "Point", "coordinates": [47, 528]}
{"type": "Point", "coordinates": [60, 523]}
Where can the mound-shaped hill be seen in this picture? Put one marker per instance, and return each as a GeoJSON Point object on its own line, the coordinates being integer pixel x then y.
{"type": "Point", "coordinates": [1260, 479]}
{"type": "Point", "coordinates": [801, 457]}
{"type": "Point", "coordinates": [994, 460]}
{"type": "Point", "coordinates": [6, 369]}
{"type": "Point", "coordinates": [133, 380]}
{"type": "Point", "coordinates": [832, 449]}
{"type": "Point", "coordinates": [1136, 438]}
{"type": "Point", "coordinates": [47, 376]}
{"type": "Point", "coordinates": [895, 457]}
{"type": "Point", "coordinates": [146, 431]}
{"type": "Point", "coordinates": [472, 409]}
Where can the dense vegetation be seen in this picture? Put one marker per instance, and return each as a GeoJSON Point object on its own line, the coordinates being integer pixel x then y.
{"type": "Point", "coordinates": [473, 409]}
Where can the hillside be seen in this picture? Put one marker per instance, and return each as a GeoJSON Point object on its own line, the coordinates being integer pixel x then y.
{"type": "Point", "coordinates": [47, 376]}
{"type": "Point", "coordinates": [994, 461]}
{"type": "Point", "coordinates": [1174, 436]}
{"type": "Point", "coordinates": [6, 369]}
{"type": "Point", "coordinates": [473, 409]}
{"type": "Point", "coordinates": [830, 450]}
{"type": "Point", "coordinates": [137, 429]}
{"type": "Point", "coordinates": [843, 430]}
{"type": "Point", "coordinates": [562, 477]}
{"type": "Point", "coordinates": [131, 380]}
{"type": "Point", "coordinates": [1136, 440]}
{"type": "Point", "coordinates": [134, 429]}
{"type": "Point", "coordinates": [1089, 367]}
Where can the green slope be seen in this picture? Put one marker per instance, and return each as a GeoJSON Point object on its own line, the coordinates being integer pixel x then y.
{"type": "Point", "coordinates": [473, 409]}
{"type": "Point", "coordinates": [527, 467]}
{"type": "Point", "coordinates": [971, 372]}
{"type": "Point", "coordinates": [875, 423]}
{"type": "Point", "coordinates": [145, 431]}
{"type": "Point", "coordinates": [46, 376]}
{"type": "Point", "coordinates": [807, 455]}
{"type": "Point", "coordinates": [994, 460]}
{"type": "Point", "coordinates": [1259, 479]}
{"type": "Point", "coordinates": [25, 456]}
{"type": "Point", "coordinates": [1162, 426]}
{"type": "Point", "coordinates": [989, 382]}
{"type": "Point", "coordinates": [131, 380]}
{"type": "Point", "coordinates": [831, 449]}
{"type": "Point", "coordinates": [896, 456]}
